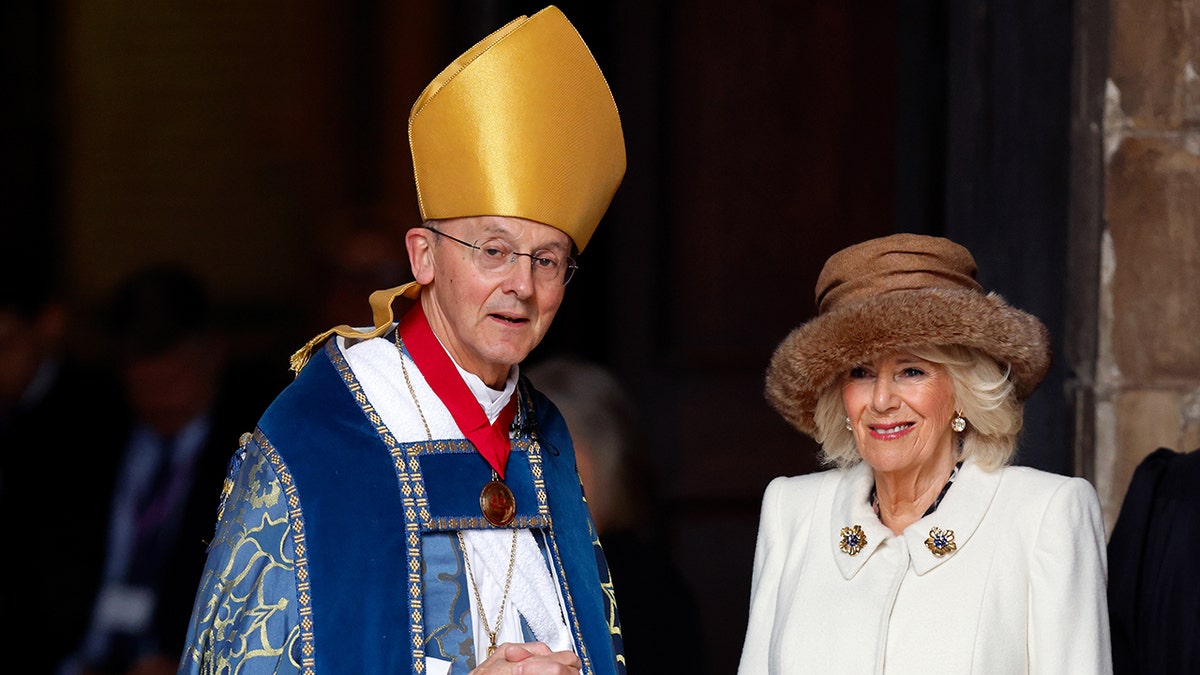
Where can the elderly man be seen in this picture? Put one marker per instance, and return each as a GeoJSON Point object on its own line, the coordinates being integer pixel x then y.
{"type": "Point", "coordinates": [410, 503]}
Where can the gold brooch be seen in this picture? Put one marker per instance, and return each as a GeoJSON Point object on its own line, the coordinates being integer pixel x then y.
{"type": "Point", "coordinates": [941, 541]}
{"type": "Point", "coordinates": [853, 540]}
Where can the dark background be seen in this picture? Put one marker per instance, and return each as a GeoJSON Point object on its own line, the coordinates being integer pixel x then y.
{"type": "Point", "coordinates": [762, 136]}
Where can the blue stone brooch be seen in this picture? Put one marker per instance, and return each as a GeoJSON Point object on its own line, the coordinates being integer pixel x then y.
{"type": "Point", "coordinates": [941, 542]}
{"type": "Point", "coordinates": [853, 540]}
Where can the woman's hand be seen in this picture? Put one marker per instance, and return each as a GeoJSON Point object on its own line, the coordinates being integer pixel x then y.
{"type": "Point", "coordinates": [529, 658]}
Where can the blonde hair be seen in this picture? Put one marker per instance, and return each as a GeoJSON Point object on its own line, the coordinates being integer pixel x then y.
{"type": "Point", "coordinates": [983, 393]}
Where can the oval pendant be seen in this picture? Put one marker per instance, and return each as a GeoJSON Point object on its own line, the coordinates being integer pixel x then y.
{"type": "Point", "coordinates": [497, 503]}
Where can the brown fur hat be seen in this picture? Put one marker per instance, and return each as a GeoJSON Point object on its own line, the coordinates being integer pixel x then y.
{"type": "Point", "coordinates": [899, 292]}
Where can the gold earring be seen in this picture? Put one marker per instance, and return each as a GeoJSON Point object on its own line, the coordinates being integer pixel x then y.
{"type": "Point", "coordinates": [958, 422]}
{"type": "Point", "coordinates": [848, 427]}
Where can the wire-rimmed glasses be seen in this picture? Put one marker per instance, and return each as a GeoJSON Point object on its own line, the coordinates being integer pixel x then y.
{"type": "Point", "coordinates": [495, 256]}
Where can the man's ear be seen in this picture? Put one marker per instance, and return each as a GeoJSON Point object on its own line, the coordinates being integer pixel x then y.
{"type": "Point", "coordinates": [419, 242]}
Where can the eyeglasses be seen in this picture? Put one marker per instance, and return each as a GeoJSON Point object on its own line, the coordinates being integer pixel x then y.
{"type": "Point", "coordinates": [495, 256]}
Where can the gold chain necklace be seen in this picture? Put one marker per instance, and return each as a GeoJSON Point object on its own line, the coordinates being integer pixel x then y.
{"type": "Point", "coordinates": [512, 556]}
{"type": "Point", "coordinates": [512, 559]}
{"type": "Point", "coordinates": [412, 392]}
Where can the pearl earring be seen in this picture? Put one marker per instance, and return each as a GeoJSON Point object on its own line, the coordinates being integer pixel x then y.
{"type": "Point", "coordinates": [848, 427]}
{"type": "Point", "coordinates": [958, 422]}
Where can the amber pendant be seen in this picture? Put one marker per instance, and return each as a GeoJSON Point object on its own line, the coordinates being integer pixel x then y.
{"type": "Point", "coordinates": [497, 503]}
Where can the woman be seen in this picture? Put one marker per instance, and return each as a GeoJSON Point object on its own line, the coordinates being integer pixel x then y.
{"type": "Point", "coordinates": [922, 549]}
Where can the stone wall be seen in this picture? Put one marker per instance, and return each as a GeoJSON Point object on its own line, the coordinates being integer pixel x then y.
{"type": "Point", "coordinates": [1147, 371]}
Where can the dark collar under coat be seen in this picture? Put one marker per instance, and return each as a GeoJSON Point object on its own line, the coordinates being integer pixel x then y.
{"type": "Point", "coordinates": [961, 511]}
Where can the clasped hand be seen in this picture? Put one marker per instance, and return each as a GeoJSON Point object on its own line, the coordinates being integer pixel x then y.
{"type": "Point", "coordinates": [529, 658]}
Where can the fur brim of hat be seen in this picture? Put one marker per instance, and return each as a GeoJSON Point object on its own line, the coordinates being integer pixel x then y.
{"type": "Point", "coordinates": [812, 356]}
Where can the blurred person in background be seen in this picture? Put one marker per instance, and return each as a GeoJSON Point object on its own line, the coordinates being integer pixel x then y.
{"type": "Point", "coordinates": [621, 488]}
{"type": "Point", "coordinates": [187, 405]}
{"type": "Point", "coordinates": [1153, 566]}
{"type": "Point", "coordinates": [59, 419]}
{"type": "Point", "coordinates": [360, 251]}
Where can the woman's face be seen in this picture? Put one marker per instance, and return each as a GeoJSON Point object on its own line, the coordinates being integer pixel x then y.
{"type": "Point", "coordinates": [900, 408]}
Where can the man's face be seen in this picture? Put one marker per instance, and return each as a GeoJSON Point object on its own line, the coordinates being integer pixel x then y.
{"type": "Point", "coordinates": [488, 321]}
{"type": "Point", "coordinates": [25, 343]}
{"type": "Point", "coordinates": [169, 388]}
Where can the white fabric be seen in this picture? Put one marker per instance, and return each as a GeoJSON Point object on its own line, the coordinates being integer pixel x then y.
{"type": "Point", "coordinates": [489, 552]}
{"type": "Point", "coordinates": [534, 593]}
{"type": "Point", "coordinates": [492, 400]}
{"type": "Point", "coordinates": [376, 364]}
{"type": "Point", "coordinates": [1024, 592]}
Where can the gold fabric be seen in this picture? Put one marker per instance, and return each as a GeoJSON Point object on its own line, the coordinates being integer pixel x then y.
{"type": "Point", "coordinates": [381, 313]}
{"type": "Point", "coordinates": [523, 125]}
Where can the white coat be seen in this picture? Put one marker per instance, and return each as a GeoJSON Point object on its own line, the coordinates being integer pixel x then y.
{"type": "Point", "coordinates": [1023, 593]}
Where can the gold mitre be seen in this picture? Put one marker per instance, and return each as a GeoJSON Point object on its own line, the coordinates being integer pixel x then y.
{"type": "Point", "coordinates": [524, 125]}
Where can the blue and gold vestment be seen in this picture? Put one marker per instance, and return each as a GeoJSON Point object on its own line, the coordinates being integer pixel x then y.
{"type": "Point", "coordinates": [317, 563]}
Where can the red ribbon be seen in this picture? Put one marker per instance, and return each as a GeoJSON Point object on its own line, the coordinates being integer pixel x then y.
{"type": "Point", "coordinates": [490, 439]}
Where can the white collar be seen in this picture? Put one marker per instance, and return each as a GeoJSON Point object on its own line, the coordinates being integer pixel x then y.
{"type": "Point", "coordinates": [492, 400]}
{"type": "Point", "coordinates": [961, 512]}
